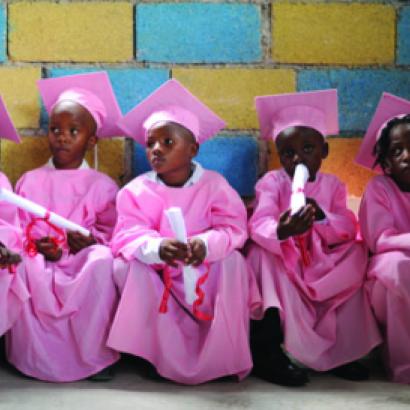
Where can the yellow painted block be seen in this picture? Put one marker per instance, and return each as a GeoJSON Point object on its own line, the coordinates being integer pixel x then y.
{"type": "Point", "coordinates": [110, 158]}
{"type": "Point", "coordinates": [16, 159]}
{"type": "Point", "coordinates": [333, 33]}
{"type": "Point", "coordinates": [86, 31]}
{"type": "Point", "coordinates": [19, 91]}
{"type": "Point", "coordinates": [33, 152]}
{"type": "Point", "coordinates": [231, 92]}
{"type": "Point", "coordinates": [340, 162]}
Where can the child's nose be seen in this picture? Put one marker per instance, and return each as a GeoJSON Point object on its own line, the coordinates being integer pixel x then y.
{"type": "Point", "coordinates": [297, 159]}
{"type": "Point", "coordinates": [157, 147]}
{"type": "Point", "coordinates": [62, 136]}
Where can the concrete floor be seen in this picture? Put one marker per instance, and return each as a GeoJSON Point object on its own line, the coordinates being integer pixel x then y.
{"type": "Point", "coordinates": [133, 389]}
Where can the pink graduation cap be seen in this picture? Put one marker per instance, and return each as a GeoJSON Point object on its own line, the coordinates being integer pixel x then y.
{"type": "Point", "coordinates": [389, 106]}
{"type": "Point", "coordinates": [7, 128]}
{"type": "Point", "coordinates": [91, 90]}
{"type": "Point", "coordinates": [315, 109]}
{"type": "Point", "coordinates": [171, 102]}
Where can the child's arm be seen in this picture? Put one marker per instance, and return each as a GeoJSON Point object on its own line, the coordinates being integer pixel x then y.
{"type": "Point", "coordinates": [377, 222]}
{"type": "Point", "coordinates": [7, 257]}
{"type": "Point", "coordinates": [48, 248]}
{"type": "Point", "coordinates": [297, 224]}
{"type": "Point", "coordinates": [267, 217]}
{"type": "Point", "coordinates": [135, 234]}
{"type": "Point", "coordinates": [339, 224]}
{"type": "Point", "coordinates": [171, 250]}
{"type": "Point", "coordinates": [10, 230]}
{"type": "Point", "coordinates": [77, 241]}
{"type": "Point", "coordinates": [228, 229]}
{"type": "Point", "coordinates": [103, 223]}
{"type": "Point", "coordinates": [102, 219]}
{"type": "Point", "coordinates": [196, 252]}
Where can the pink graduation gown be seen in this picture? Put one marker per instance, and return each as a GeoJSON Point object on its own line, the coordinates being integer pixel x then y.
{"type": "Point", "coordinates": [61, 334]}
{"type": "Point", "coordinates": [180, 346]}
{"type": "Point", "coordinates": [13, 291]}
{"type": "Point", "coordinates": [326, 316]}
{"type": "Point", "coordinates": [385, 223]}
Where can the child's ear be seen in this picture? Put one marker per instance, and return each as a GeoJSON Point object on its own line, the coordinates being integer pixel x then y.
{"type": "Point", "coordinates": [325, 150]}
{"type": "Point", "coordinates": [386, 165]}
{"type": "Point", "coordinates": [92, 141]}
{"type": "Point", "coordinates": [194, 149]}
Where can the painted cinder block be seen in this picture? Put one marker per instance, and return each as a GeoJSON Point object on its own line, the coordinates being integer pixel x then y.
{"type": "Point", "coordinates": [19, 91]}
{"type": "Point", "coordinates": [350, 34]}
{"type": "Point", "coordinates": [197, 33]}
{"type": "Point", "coordinates": [359, 91]}
{"type": "Point", "coordinates": [403, 36]}
{"type": "Point", "coordinates": [131, 85]}
{"type": "Point", "coordinates": [33, 152]}
{"type": "Point", "coordinates": [340, 162]}
{"type": "Point", "coordinates": [230, 92]}
{"type": "Point", "coordinates": [236, 158]}
{"type": "Point", "coordinates": [3, 32]}
{"type": "Point", "coordinates": [16, 159]}
{"type": "Point", "coordinates": [78, 31]}
{"type": "Point", "coordinates": [110, 158]}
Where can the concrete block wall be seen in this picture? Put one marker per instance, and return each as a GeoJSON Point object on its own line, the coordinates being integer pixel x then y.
{"type": "Point", "coordinates": [225, 51]}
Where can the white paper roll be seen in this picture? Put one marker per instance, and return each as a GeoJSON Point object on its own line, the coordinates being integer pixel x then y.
{"type": "Point", "coordinates": [40, 211]}
{"type": "Point", "coordinates": [298, 199]}
{"type": "Point", "coordinates": [190, 274]}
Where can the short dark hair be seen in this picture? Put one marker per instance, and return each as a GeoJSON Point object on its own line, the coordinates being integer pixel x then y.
{"type": "Point", "coordinates": [382, 145]}
{"type": "Point", "coordinates": [184, 131]}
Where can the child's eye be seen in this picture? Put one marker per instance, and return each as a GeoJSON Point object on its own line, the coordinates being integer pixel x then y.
{"type": "Point", "coordinates": [74, 131]}
{"type": "Point", "coordinates": [308, 148]}
{"type": "Point", "coordinates": [396, 151]}
{"type": "Point", "coordinates": [55, 130]}
{"type": "Point", "coordinates": [289, 153]}
{"type": "Point", "coordinates": [150, 144]}
{"type": "Point", "coordinates": [169, 141]}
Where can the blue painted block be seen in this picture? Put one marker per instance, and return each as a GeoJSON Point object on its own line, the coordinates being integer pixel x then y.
{"type": "Point", "coordinates": [403, 37]}
{"type": "Point", "coordinates": [236, 158]}
{"type": "Point", "coordinates": [3, 31]}
{"type": "Point", "coordinates": [359, 91]}
{"type": "Point", "coordinates": [131, 86]}
{"type": "Point", "coordinates": [197, 33]}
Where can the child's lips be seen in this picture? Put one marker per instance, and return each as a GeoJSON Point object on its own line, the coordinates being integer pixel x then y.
{"type": "Point", "coordinates": [61, 149]}
{"type": "Point", "coordinates": [156, 161]}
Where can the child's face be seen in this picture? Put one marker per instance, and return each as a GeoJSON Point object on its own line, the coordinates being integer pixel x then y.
{"type": "Point", "coordinates": [71, 132]}
{"type": "Point", "coordinates": [170, 150]}
{"type": "Point", "coordinates": [304, 145]}
{"type": "Point", "coordinates": [397, 163]}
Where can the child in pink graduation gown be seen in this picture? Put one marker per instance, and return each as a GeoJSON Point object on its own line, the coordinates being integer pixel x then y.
{"type": "Point", "coordinates": [385, 223]}
{"type": "Point", "coordinates": [187, 343]}
{"type": "Point", "coordinates": [13, 291]}
{"type": "Point", "coordinates": [308, 266]}
{"type": "Point", "coordinates": [62, 333]}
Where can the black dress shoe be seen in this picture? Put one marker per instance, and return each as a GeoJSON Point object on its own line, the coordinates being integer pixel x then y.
{"type": "Point", "coordinates": [104, 375]}
{"type": "Point", "coordinates": [353, 371]}
{"type": "Point", "coordinates": [278, 369]}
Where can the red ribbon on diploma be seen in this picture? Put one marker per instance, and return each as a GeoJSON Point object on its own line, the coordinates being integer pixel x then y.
{"type": "Point", "coordinates": [31, 247]}
{"type": "Point", "coordinates": [303, 250]}
{"type": "Point", "coordinates": [163, 307]}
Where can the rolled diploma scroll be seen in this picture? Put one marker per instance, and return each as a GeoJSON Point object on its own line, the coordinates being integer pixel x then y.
{"type": "Point", "coordinates": [297, 198]}
{"type": "Point", "coordinates": [40, 211]}
{"type": "Point", "coordinates": [176, 220]}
